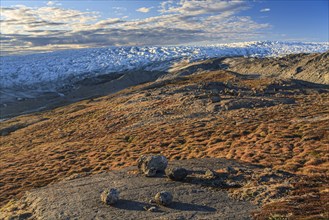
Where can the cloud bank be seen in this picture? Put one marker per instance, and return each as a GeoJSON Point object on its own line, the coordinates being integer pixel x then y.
{"type": "Point", "coordinates": [27, 29]}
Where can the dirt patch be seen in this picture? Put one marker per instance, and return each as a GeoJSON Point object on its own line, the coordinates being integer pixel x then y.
{"type": "Point", "coordinates": [80, 198]}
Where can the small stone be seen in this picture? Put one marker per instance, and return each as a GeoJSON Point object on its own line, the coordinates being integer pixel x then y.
{"type": "Point", "coordinates": [150, 165]}
{"type": "Point", "coordinates": [163, 198]}
{"type": "Point", "coordinates": [26, 215]}
{"type": "Point", "coordinates": [231, 170]}
{"type": "Point", "coordinates": [215, 99]}
{"type": "Point", "coordinates": [110, 196]}
{"type": "Point", "coordinates": [176, 173]}
{"type": "Point", "coordinates": [151, 208]}
{"type": "Point", "coordinates": [232, 184]}
{"type": "Point", "coordinates": [211, 173]}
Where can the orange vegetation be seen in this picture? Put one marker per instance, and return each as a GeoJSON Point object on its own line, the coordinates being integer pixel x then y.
{"type": "Point", "coordinates": [111, 132]}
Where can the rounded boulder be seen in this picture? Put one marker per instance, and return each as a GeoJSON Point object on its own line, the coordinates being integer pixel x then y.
{"type": "Point", "coordinates": [163, 198]}
{"type": "Point", "coordinates": [150, 165]}
{"type": "Point", "coordinates": [110, 196]}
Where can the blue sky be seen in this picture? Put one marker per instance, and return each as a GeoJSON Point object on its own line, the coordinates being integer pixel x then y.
{"type": "Point", "coordinates": [34, 26]}
{"type": "Point", "coordinates": [303, 20]}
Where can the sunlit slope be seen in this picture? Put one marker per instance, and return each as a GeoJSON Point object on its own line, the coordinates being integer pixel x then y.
{"type": "Point", "coordinates": [215, 113]}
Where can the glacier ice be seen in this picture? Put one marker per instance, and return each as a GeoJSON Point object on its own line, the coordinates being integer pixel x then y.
{"type": "Point", "coordinates": [50, 71]}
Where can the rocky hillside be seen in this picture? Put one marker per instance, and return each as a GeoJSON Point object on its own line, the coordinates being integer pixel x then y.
{"type": "Point", "coordinates": [197, 110]}
{"type": "Point", "coordinates": [306, 67]}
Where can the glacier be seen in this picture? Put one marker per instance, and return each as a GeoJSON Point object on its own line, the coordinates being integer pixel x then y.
{"type": "Point", "coordinates": [54, 70]}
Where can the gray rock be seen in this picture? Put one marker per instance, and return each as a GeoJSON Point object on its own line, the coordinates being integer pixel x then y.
{"type": "Point", "coordinates": [215, 99]}
{"type": "Point", "coordinates": [163, 198]}
{"type": "Point", "coordinates": [176, 173]}
{"type": "Point", "coordinates": [150, 165]}
{"type": "Point", "coordinates": [211, 173]}
{"type": "Point", "coordinates": [110, 196]}
{"type": "Point", "coordinates": [232, 184]}
{"type": "Point", "coordinates": [21, 216]}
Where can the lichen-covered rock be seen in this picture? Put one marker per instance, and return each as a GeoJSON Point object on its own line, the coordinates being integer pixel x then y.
{"type": "Point", "coordinates": [110, 196]}
{"type": "Point", "coordinates": [150, 165]}
{"type": "Point", "coordinates": [163, 198]}
{"type": "Point", "coordinates": [176, 173]}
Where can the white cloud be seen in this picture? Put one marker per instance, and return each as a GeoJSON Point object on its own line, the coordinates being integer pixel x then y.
{"type": "Point", "coordinates": [24, 20]}
{"type": "Point", "coordinates": [51, 28]}
{"type": "Point", "coordinates": [53, 3]}
{"type": "Point", "coordinates": [265, 10]}
{"type": "Point", "coordinates": [144, 10]}
{"type": "Point", "coordinates": [196, 7]}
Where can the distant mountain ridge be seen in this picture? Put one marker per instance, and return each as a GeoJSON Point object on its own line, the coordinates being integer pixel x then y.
{"type": "Point", "coordinates": [307, 67]}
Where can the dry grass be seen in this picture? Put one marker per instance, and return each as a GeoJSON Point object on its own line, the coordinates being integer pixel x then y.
{"type": "Point", "coordinates": [309, 200]}
{"type": "Point", "coordinates": [112, 132]}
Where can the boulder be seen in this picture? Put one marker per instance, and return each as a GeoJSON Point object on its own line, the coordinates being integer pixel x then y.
{"type": "Point", "coordinates": [176, 173]}
{"type": "Point", "coordinates": [163, 198]}
{"type": "Point", "coordinates": [110, 196]}
{"type": "Point", "coordinates": [150, 165]}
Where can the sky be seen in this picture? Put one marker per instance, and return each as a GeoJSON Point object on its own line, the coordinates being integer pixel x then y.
{"type": "Point", "coordinates": [41, 26]}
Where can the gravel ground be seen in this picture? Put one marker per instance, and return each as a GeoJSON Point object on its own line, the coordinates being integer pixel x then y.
{"type": "Point", "coordinates": [80, 198]}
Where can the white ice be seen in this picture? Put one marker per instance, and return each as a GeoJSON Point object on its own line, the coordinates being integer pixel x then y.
{"type": "Point", "coordinates": [50, 71]}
